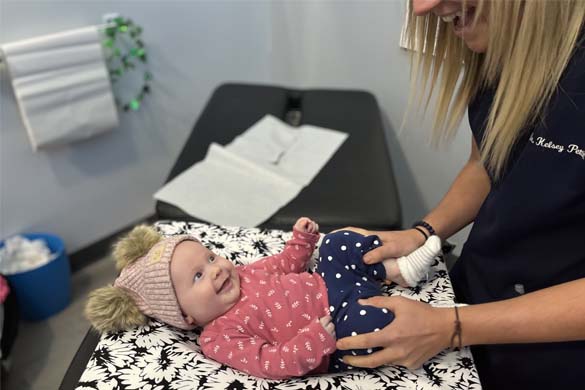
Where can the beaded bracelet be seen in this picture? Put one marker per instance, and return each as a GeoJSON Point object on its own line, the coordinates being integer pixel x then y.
{"type": "Point", "coordinates": [426, 225]}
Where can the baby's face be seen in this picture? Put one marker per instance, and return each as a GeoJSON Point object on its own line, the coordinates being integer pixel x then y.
{"type": "Point", "coordinates": [206, 285]}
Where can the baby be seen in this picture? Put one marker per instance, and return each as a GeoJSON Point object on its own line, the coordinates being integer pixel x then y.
{"type": "Point", "coordinates": [270, 318]}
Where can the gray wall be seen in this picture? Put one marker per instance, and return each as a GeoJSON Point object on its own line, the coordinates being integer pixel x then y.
{"type": "Point", "coordinates": [88, 190]}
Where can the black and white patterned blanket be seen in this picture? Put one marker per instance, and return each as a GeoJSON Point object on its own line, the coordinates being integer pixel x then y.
{"type": "Point", "coordinates": [157, 357]}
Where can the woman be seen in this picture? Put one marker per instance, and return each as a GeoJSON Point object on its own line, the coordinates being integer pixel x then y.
{"type": "Point", "coordinates": [522, 269]}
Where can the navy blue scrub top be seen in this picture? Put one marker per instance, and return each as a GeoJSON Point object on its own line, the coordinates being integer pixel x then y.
{"type": "Point", "coordinates": [529, 234]}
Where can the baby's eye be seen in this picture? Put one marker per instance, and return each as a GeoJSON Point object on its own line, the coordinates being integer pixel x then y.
{"type": "Point", "coordinates": [211, 258]}
{"type": "Point", "coordinates": [197, 276]}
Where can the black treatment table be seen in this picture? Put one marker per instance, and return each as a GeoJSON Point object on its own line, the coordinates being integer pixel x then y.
{"type": "Point", "coordinates": [356, 187]}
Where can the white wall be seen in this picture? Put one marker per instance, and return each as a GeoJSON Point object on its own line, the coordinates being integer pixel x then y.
{"type": "Point", "coordinates": [88, 190]}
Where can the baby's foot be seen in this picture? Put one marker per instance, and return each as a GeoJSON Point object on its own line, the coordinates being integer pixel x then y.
{"type": "Point", "coordinates": [393, 273]}
{"type": "Point", "coordinates": [414, 266]}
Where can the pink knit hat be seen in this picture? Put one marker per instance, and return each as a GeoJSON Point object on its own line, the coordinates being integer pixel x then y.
{"type": "Point", "coordinates": [148, 280]}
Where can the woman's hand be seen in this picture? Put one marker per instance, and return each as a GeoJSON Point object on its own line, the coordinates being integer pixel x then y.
{"type": "Point", "coordinates": [418, 332]}
{"type": "Point", "coordinates": [395, 243]}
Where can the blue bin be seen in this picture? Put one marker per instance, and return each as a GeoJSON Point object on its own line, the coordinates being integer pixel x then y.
{"type": "Point", "coordinates": [46, 290]}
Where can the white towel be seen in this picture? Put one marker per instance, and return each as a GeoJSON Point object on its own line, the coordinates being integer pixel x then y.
{"type": "Point", "coordinates": [247, 181]}
{"type": "Point", "coordinates": [62, 86]}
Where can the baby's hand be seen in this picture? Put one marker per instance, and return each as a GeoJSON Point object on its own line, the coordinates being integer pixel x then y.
{"type": "Point", "coordinates": [327, 323]}
{"type": "Point", "coordinates": [306, 225]}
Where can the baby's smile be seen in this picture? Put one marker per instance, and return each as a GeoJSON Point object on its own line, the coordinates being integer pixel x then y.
{"type": "Point", "coordinates": [206, 285]}
{"type": "Point", "coordinates": [225, 286]}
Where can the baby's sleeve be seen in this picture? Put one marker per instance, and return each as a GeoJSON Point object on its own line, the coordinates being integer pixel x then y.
{"type": "Point", "coordinates": [294, 258]}
{"type": "Point", "coordinates": [259, 357]}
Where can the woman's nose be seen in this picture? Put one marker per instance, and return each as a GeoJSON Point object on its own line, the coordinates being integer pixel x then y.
{"type": "Point", "coordinates": [422, 7]}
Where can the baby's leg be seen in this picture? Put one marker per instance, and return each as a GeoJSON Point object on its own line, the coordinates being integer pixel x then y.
{"type": "Point", "coordinates": [341, 252]}
{"type": "Point", "coordinates": [393, 273]}
{"type": "Point", "coordinates": [409, 270]}
{"type": "Point", "coordinates": [349, 279]}
{"type": "Point", "coordinates": [357, 319]}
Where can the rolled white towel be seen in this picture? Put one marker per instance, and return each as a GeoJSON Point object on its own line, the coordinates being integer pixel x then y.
{"type": "Point", "coordinates": [414, 266]}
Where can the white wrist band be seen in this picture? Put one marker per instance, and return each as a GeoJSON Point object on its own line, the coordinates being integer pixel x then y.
{"type": "Point", "coordinates": [414, 266]}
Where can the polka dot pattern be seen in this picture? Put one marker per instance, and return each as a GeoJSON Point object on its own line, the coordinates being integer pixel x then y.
{"type": "Point", "coordinates": [351, 279]}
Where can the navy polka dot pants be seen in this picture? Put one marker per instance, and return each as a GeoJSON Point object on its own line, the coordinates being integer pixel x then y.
{"type": "Point", "coordinates": [348, 279]}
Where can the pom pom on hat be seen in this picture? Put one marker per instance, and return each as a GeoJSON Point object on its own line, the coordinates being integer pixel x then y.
{"type": "Point", "coordinates": [134, 245]}
{"type": "Point", "coordinates": [112, 309]}
{"type": "Point", "coordinates": [144, 287]}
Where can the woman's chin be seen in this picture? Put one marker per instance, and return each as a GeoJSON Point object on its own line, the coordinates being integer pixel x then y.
{"type": "Point", "coordinates": [475, 44]}
{"type": "Point", "coordinates": [476, 40]}
{"type": "Point", "coordinates": [478, 47]}
{"type": "Point", "coordinates": [474, 37]}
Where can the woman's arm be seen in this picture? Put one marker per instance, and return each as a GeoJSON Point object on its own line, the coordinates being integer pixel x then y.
{"type": "Point", "coordinates": [553, 314]}
{"type": "Point", "coordinates": [420, 331]}
{"type": "Point", "coordinates": [457, 209]}
{"type": "Point", "coordinates": [462, 202]}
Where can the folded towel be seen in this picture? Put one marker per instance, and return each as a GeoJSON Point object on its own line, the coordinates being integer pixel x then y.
{"type": "Point", "coordinates": [62, 86]}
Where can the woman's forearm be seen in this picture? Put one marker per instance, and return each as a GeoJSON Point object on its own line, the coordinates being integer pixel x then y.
{"type": "Point", "coordinates": [553, 314]}
{"type": "Point", "coordinates": [462, 202]}
{"type": "Point", "coordinates": [420, 331]}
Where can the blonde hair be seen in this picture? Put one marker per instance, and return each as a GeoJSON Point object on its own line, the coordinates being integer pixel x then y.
{"type": "Point", "coordinates": [529, 46]}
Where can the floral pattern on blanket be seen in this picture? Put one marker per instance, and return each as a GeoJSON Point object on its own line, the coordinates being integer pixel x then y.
{"type": "Point", "coordinates": [157, 357]}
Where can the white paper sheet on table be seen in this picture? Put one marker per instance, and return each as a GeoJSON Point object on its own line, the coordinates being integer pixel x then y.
{"type": "Point", "coordinates": [247, 181]}
{"type": "Point", "coordinates": [266, 141]}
